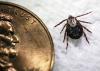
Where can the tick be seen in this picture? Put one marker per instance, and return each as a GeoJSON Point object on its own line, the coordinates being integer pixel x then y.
{"type": "Point", "coordinates": [74, 28]}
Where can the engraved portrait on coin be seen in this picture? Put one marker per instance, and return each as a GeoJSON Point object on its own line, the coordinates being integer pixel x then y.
{"type": "Point", "coordinates": [8, 40]}
{"type": "Point", "coordinates": [25, 42]}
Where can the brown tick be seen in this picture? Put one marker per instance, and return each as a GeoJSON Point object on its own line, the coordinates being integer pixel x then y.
{"type": "Point", "coordinates": [74, 28]}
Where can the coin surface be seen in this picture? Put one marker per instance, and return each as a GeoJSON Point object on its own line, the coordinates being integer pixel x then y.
{"type": "Point", "coordinates": [35, 47]}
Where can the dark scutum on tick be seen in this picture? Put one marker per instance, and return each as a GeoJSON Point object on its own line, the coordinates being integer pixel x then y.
{"type": "Point", "coordinates": [73, 28]}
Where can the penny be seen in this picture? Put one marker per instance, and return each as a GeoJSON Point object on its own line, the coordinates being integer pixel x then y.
{"type": "Point", "coordinates": [35, 47]}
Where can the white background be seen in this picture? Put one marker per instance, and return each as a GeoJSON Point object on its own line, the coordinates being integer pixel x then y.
{"type": "Point", "coordinates": [80, 56]}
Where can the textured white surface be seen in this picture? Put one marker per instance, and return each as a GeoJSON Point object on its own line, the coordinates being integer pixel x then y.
{"type": "Point", "coordinates": [80, 56]}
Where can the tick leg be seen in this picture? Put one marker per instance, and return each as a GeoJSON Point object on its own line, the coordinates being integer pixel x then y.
{"type": "Point", "coordinates": [84, 22]}
{"type": "Point", "coordinates": [67, 43]}
{"type": "Point", "coordinates": [86, 29]}
{"type": "Point", "coordinates": [83, 14]}
{"type": "Point", "coordinates": [60, 22]}
{"type": "Point", "coordinates": [64, 35]}
{"type": "Point", "coordinates": [63, 28]}
{"type": "Point", "coordinates": [85, 37]}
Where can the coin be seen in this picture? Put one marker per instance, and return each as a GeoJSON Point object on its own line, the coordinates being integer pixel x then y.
{"type": "Point", "coordinates": [35, 47]}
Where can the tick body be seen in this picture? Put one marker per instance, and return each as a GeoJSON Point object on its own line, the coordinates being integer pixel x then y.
{"type": "Point", "coordinates": [74, 32]}
{"type": "Point", "coordinates": [73, 28]}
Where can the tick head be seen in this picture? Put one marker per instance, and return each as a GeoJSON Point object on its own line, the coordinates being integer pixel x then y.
{"type": "Point", "coordinates": [72, 21]}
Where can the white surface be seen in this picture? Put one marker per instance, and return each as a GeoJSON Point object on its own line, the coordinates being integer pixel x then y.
{"type": "Point", "coordinates": [80, 56]}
